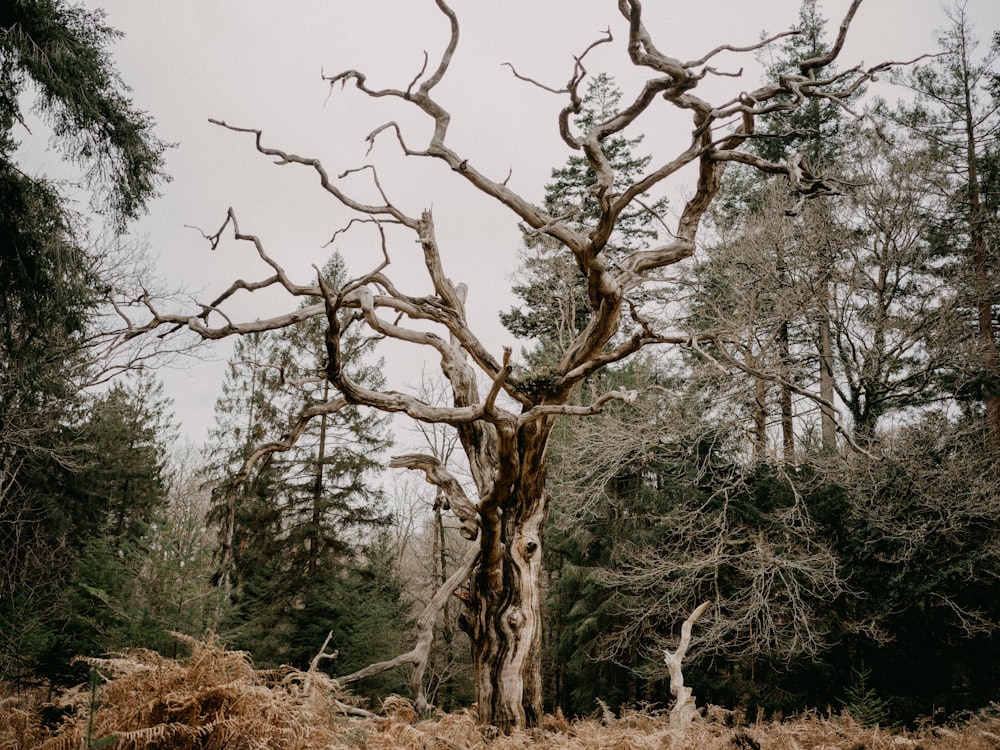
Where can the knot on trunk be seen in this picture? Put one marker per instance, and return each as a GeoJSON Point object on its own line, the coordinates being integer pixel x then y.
{"type": "Point", "coordinates": [515, 619]}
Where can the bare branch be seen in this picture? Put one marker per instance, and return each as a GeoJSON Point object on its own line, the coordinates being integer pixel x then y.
{"type": "Point", "coordinates": [684, 710]}
{"type": "Point", "coordinates": [811, 64]}
{"type": "Point", "coordinates": [749, 48]}
{"type": "Point", "coordinates": [548, 410]}
{"type": "Point", "coordinates": [287, 158]}
{"type": "Point", "coordinates": [416, 78]}
{"type": "Point", "coordinates": [453, 495]}
{"type": "Point", "coordinates": [532, 81]}
{"type": "Point", "coordinates": [419, 654]}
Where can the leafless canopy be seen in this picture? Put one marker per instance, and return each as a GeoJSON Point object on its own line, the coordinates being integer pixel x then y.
{"type": "Point", "coordinates": [505, 446]}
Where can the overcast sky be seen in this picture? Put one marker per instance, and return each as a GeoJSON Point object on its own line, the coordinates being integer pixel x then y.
{"type": "Point", "coordinates": [258, 64]}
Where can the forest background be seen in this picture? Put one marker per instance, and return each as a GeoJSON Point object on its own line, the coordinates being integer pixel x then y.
{"type": "Point", "coordinates": [849, 550]}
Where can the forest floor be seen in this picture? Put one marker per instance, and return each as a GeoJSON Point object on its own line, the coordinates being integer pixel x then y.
{"type": "Point", "coordinates": [215, 698]}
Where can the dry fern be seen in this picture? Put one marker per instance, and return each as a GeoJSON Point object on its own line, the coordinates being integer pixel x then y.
{"type": "Point", "coordinates": [215, 699]}
{"type": "Point", "coordinates": [212, 699]}
{"type": "Point", "coordinates": [20, 721]}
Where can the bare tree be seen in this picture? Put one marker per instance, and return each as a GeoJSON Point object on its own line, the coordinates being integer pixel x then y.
{"type": "Point", "coordinates": [506, 444]}
{"type": "Point", "coordinates": [893, 317]}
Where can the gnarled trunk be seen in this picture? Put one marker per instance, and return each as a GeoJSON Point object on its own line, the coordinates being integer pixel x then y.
{"type": "Point", "coordinates": [504, 617]}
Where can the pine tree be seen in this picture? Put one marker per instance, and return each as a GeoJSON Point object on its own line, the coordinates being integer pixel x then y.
{"type": "Point", "coordinates": [110, 493]}
{"type": "Point", "coordinates": [956, 116]}
{"type": "Point", "coordinates": [305, 554]}
{"type": "Point", "coordinates": [550, 287]}
{"type": "Point", "coordinates": [54, 58]}
{"type": "Point", "coordinates": [245, 412]}
{"type": "Point", "coordinates": [819, 128]}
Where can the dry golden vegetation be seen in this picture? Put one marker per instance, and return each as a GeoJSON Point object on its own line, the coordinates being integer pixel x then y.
{"type": "Point", "coordinates": [216, 699]}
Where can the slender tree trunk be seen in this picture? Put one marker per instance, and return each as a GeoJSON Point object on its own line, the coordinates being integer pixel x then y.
{"type": "Point", "coordinates": [981, 273]}
{"type": "Point", "coordinates": [785, 367]}
{"type": "Point", "coordinates": [828, 421]}
{"type": "Point", "coordinates": [317, 490]}
{"type": "Point", "coordinates": [438, 579]}
{"type": "Point", "coordinates": [760, 420]}
{"type": "Point", "coordinates": [787, 416]}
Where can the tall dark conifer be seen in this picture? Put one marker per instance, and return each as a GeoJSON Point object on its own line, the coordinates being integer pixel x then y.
{"type": "Point", "coordinates": [54, 57]}
{"type": "Point", "coordinates": [956, 117]}
{"type": "Point", "coordinates": [305, 551]}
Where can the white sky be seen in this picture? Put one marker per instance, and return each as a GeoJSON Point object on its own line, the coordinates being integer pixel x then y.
{"type": "Point", "coordinates": [257, 64]}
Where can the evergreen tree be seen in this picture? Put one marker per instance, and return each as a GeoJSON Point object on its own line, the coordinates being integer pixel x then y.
{"type": "Point", "coordinates": [605, 491]}
{"type": "Point", "coordinates": [327, 476]}
{"type": "Point", "coordinates": [98, 506]}
{"type": "Point", "coordinates": [53, 57]}
{"type": "Point", "coordinates": [956, 116]}
{"type": "Point", "coordinates": [59, 53]}
{"type": "Point", "coordinates": [305, 553]}
{"type": "Point", "coordinates": [118, 492]}
{"type": "Point", "coordinates": [818, 129]}
{"type": "Point", "coordinates": [245, 412]}
{"type": "Point", "coordinates": [552, 291]}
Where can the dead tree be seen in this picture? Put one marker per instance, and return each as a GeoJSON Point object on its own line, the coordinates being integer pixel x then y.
{"type": "Point", "coordinates": [684, 710]}
{"type": "Point", "coordinates": [505, 437]}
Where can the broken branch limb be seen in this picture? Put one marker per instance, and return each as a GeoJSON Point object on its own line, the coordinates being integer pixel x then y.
{"type": "Point", "coordinates": [418, 655]}
{"type": "Point", "coordinates": [454, 496]}
{"type": "Point", "coordinates": [684, 710]}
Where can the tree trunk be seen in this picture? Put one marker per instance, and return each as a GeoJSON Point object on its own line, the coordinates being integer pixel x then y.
{"type": "Point", "coordinates": [981, 273]}
{"type": "Point", "coordinates": [505, 609]}
{"type": "Point", "coordinates": [787, 416]}
{"type": "Point", "coordinates": [759, 416]}
{"type": "Point", "coordinates": [827, 418]}
{"type": "Point", "coordinates": [760, 420]}
{"type": "Point", "coordinates": [317, 491]}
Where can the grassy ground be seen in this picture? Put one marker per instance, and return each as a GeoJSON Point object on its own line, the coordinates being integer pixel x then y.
{"type": "Point", "coordinates": [216, 699]}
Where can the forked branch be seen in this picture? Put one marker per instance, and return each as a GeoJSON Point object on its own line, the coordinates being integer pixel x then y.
{"type": "Point", "coordinates": [684, 709]}
{"type": "Point", "coordinates": [420, 653]}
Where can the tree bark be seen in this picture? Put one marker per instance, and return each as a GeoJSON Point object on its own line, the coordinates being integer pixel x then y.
{"type": "Point", "coordinates": [684, 709]}
{"type": "Point", "coordinates": [828, 420]}
{"type": "Point", "coordinates": [504, 617]}
{"type": "Point", "coordinates": [317, 490]}
{"type": "Point", "coordinates": [760, 420]}
{"type": "Point", "coordinates": [981, 274]}
{"type": "Point", "coordinates": [787, 415]}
